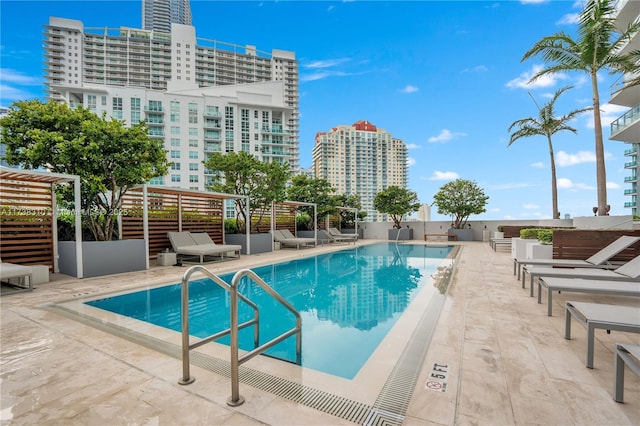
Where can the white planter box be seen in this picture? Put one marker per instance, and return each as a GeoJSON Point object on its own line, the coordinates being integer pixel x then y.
{"type": "Point", "coordinates": [519, 248]}
{"type": "Point", "coordinates": [539, 251]}
{"type": "Point", "coordinates": [166, 259]}
{"type": "Point", "coordinates": [498, 234]}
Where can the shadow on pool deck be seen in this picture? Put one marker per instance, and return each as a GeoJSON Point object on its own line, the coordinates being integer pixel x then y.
{"type": "Point", "coordinates": [506, 361]}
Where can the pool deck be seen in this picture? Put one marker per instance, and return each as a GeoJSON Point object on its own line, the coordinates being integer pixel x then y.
{"type": "Point", "coordinates": [508, 362]}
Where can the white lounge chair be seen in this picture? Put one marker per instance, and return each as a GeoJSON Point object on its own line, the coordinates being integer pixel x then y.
{"type": "Point", "coordinates": [607, 317]}
{"type": "Point", "coordinates": [600, 259]}
{"type": "Point", "coordinates": [197, 245]}
{"type": "Point", "coordinates": [629, 355]}
{"type": "Point", "coordinates": [286, 238]}
{"type": "Point", "coordinates": [334, 232]}
{"type": "Point", "coordinates": [12, 270]}
{"type": "Point", "coordinates": [630, 271]}
{"type": "Point", "coordinates": [577, 285]}
{"type": "Point", "coordinates": [338, 237]}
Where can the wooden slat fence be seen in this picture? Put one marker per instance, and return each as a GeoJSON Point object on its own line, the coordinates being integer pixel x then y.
{"type": "Point", "coordinates": [26, 222]}
{"type": "Point", "coordinates": [581, 244]}
{"type": "Point", "coordinates": [199, 214]}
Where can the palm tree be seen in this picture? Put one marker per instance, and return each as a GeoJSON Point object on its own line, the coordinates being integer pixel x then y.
{"type": "Point", "coordinates": [597, 47]}
{"type": "Point", "coordinates": [546, 125]}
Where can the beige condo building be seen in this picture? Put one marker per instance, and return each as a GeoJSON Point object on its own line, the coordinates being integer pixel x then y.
{"type": "Point", "coordinates": [362, 160]}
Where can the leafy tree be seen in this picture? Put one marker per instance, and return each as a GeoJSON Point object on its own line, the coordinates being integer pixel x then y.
{"type": "Point", "coordinates": [396, 202]}
{"type": "Point", "coordinates": [243, 174]}
{"type": "Point", "coordinates": [547, 124]}
{"type": "Point", "coordinates": [108, 157]}
{"type": "Point", "coordinates": [312, 190]}
{"type": "Point", "coordinates": [596, 48]}
{"type": "Point", "coordinates": [460, 198]}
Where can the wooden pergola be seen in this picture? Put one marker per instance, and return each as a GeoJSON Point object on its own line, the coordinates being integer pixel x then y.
{"type": "Point", "coordinates": [28, 217]}
{"type": "Point", "coordinates": [149, 212]}
{"type": "Point", "coordinates": [292, 205]}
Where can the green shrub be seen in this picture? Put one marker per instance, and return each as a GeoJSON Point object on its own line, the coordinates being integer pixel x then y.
{"type": "Point", "coordinates": [529, 233]}
{"type": "Point", "coordinates": [500, 228]}
{"type": "Point", "coordinates": [230, 226]}
{"type": "Point", "coordinates": [545, 236]}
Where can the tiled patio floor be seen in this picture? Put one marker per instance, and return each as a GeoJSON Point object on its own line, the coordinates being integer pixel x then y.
{"type": "Point", "coordinates": [507, 361]}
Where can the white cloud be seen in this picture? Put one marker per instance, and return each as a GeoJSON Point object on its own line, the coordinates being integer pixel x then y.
{"type": "Point", "coordinates": [445, 136]}
{"type": "Point", "coordinates": [10, 93]}
{"type": "Point", "coordinates": [613, 185]}
{"type": "Point", "coordinates": [438, 175]}
{"type": "Point", "coordinates": [477, 68]}
{"type": "Point", "coordinates": [326, 63]}
{"type": "Point", "coordinates": [564, 183]}
{"type": "Point", "coordinates": [538, 165]}
{"type": "Point", "coordinates": [412, 146]}
{"type": "Point", "coordinates": [409, 89]}
{"type": "Point", "coordinates": [324, 74]}
{"type": "Point", "coordinates": [530, 206]}
{"type": "Point", "coordinates": [411, 161]}
{"type": "Point", "coordinates": [569, 19]}
{"type": "Point", "coordinates": [522, 81]}
{"type": "Point", "coordinates": [565, 159]}
{"type": "Point", "coordinates": [16, 77]}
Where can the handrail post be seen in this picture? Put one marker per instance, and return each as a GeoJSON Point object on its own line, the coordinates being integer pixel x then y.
{"type": "Point", "coordinates": [235, 399]}
{"type": "Point", "coordinates": [186, 377]}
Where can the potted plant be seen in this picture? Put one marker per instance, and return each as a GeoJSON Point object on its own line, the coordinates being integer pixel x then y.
{"type": "Point", "coordinates": [397, 202]}
{"type": "Point", "coordinates": [108, 157]}
{"type": "Point", "coordinates": [500, 232]}
{"type": "Point", "coordinates": [460, 199]}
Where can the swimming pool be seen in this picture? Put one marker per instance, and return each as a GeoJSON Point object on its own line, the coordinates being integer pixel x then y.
{"type": "Point", "coordinates": [348, 300]}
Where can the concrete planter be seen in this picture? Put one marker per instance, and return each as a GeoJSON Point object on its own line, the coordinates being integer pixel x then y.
{"type": "Point", "coordinates": [102, 257]}
{"type": "Point", "coordinates": [462, 234]}
{"type": "Point", "coordinates": [537, 250]}
{"type": "Point", "coordinates": [519, 247]}
{"type": "Point", "coordinates": [260, 243]}
{"type": "Point", "coordinates": [405, 234]}
{"type": "Point", "coordinates": [498, 234]}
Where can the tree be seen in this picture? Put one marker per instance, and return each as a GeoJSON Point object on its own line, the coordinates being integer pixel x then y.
{"type": "Point", "coordinates": [243, 174]}
{"type": "Point", "coordinates": [546, 125]}
{"type": "Point", "coordinates": [313, 190]}
{"type": "Point", "coordinates": [460, 198]}
{"type": "Point", "coordinates": [108, 157]}
{"type": "Point", "coordinates": [348, 216]}
{"type": "Point", "coordinates": [396, 202]}
{"type": "Point", "coordinates": [596, 48]}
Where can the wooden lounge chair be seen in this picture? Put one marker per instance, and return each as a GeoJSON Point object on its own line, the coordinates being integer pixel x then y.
{"type": "Point", "coordinates": [577, 285]}
{"type": "Point", "coordinates": [286, 238]}
{"type": "Point", "coordinates": [630, 271]}
{"type": "Point", "coordinates": [600, 259]}
{"type": "Point", "coordinates": [199, 246]}
{"type": "Point", "coordinates": [607, 317]}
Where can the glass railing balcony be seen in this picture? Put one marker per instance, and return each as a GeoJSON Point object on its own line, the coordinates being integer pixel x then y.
{"type": "Point", "coordinates": [630, 191]}
{"type": "Point", "coordinates": [154, 109]}
{"type": "Point", "coordinates": [630, 204]}
{"type": "Point", "coordinates": [626, 120]}
{"type": "Point", "coordinates": [630, 164]}
{"type": "Point", "coordinates": [211, 113]}
{"type": "Point", "coordinates": [620, 83]}
{"type": "Point", "coordinates": [631, 151]}
{"type": "Point", "coordinates": [631, 179]}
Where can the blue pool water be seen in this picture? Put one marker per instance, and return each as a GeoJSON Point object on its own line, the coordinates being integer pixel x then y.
{"type": "Point", "coordinates": [348, 301]}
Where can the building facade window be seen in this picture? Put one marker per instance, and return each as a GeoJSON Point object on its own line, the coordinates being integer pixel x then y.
{"type": "Point", "coordinates": [135, 110]}
{"type": "Point", "coordinates": [175, 111]}
{"type": "Point", "coordinates": [117, 108]}
{"type": "Point", "coordinates": [193, 113]}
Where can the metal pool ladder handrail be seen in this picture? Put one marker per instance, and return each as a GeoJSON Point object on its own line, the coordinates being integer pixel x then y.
{"type": "Point", "coordinates": [235, 399]}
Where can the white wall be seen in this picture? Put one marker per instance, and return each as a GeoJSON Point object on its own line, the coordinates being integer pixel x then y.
{"type": "Point", "coordinates": [379, 230]}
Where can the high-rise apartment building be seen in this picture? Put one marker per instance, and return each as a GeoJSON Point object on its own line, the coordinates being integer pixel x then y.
{"type": "Point", "coordinates": [158, 15]}
{"type": "Point", "coordinates": [627, 127]}
{"type": "Point", "coordinates": [123, 71]}
{"type": "Point", "coordinates": [361, 159]}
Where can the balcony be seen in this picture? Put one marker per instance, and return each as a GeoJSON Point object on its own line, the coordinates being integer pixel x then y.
{"type": "Point", "coordinates": [630, 164]}
{"type": "Point", "coordinates": [631, 191]}
{"type": "Point", "coordinates": [631, 151]}
{"type": "Point", "coordinates": [627, 127]}
{"type": "Point", "coordinates": [630, 204]}
{"type": "Point", "coordinates": [631, 179]}
{"type": "Point", "coordinates": [625, 96]}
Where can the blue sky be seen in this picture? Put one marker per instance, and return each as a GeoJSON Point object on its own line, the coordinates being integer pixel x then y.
{"type": "Point", "coordinates": [444, 76]}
